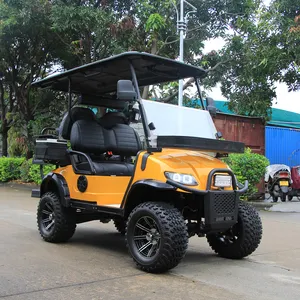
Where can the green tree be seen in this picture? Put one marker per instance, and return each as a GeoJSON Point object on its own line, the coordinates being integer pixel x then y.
{"type": "Point", "coordinates": [27, 48]}
{"type": "Point", "coordinates": [7, 106]}
{"type": "Point", "coordinates": [84, 28]}
{"type": "Point", "coordinates": [261, 51]}
{"type": "Point", "coordinates": [92, 30]}
{"type": "Point", "coordinates": [211, 20]}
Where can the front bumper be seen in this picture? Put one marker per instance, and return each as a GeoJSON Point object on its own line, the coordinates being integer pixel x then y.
{"type": "Point", "coordinates": [220, 207]}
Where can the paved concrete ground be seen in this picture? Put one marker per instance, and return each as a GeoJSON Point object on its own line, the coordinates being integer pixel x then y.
{"type": "Point", "coordinates": [286, 207]}
{"type": "Point", "coordinates": [95, 263]}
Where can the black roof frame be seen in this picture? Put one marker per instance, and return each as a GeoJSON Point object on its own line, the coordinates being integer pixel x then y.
{"type": "Point", "coordinates": [100, 77]}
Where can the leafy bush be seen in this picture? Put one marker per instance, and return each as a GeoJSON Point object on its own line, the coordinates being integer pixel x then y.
{"type": "Point", "coordinates": [248, 166]}
{"type": "Point", "coordinates": [17, 141]}
{"type": "Point", "coordinates": [10, 168]}
{"type": "Point", "coordinates": [31, 173]}
{"type": "Point", "coordinates": [24, 170]}
{"type": "Point", "coordinates": [35, 175]}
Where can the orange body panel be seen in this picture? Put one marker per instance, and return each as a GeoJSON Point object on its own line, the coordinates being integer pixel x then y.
{"type": "Point", "coordinates": [195, 163]}
{"type": "Point", "coordinates": [105, 190]}
{"type": "Point", "coordinates": [110, 190]}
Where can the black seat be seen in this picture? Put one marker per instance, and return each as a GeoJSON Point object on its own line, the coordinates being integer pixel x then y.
{"type": "Point", "coordinates": [91, 138]}
{"type": "Point", "coordinates": [77, 113]}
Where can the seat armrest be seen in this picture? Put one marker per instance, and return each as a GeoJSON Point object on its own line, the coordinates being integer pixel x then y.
{"type": "Point", "coordinates": [92, 169]}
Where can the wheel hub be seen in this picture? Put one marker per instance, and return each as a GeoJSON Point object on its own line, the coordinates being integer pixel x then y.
{"type": "Point", "coordinates": [146, 236]}
{"type": "Point", "coordinates": [153, 236]}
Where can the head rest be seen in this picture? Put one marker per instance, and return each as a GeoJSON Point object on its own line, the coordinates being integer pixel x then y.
{"type": "Point", "coordinates": [81, 113]}
{"type": "Point", "coordinates": [110, 119]}
{"type": "Point", "coordinates": [125, 91]}
{"type": "Point", "coordinates": [77, 113]}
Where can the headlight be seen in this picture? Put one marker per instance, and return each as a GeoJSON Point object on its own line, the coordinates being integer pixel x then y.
{"type": "Point", "coordinates": [222, 181]}
{"type": "Point", "coordinates": [185, 179]}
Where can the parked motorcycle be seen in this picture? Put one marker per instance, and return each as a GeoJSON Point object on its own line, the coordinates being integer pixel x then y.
{"type": "Point", "coordinates": [295, 191]}
{"type": "Point", "coordinates": [278, 181]}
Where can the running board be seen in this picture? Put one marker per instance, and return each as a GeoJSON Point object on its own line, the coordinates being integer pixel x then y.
{"type": "Point", "coordinates": [35, 193]}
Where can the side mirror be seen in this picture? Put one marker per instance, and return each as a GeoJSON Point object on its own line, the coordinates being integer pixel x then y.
{"type": "Point", "coordinates": [125, 91]}
{"type": "Point", "coordinates": [219, 135]}
{"type": "Point", "coordinates": [210, 106]}
{"type": "Point", "coordinates": [210, 102]}
{"type": "Point", "coordinates": [151, 126]}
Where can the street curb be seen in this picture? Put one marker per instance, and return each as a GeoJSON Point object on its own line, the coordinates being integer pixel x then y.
{"type": "Point", "coordinates": [17, 185]}
{"type": "Point", "coordinates": [261, 205]}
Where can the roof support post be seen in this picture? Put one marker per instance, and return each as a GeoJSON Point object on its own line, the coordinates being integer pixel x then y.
{"type": "Point", "coordinates": [199, 91]}
{"type": "Point", "coordinates": [69, 97]}
{"type": "Point", "coordinates": [141, 107]}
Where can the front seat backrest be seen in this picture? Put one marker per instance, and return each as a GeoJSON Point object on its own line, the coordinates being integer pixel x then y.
{"type": "Point", "coordinates": [77, 113]}
{"type": "Point", "coordinates": [127, 140]}
{"type": "Point", "coordinates": [89, 137]}
{"type": "Point", "coordinates": [110, 119]}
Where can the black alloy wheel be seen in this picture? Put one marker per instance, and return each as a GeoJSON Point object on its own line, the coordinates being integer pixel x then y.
{"type": "Point", "coordinates": [156, 236]}
{"type": "Point", "coordinates": [55, 223]}
{"type": "Point", "coordinates": [47, 218]}
{"type": "Point", "coordinates": [146, 236]}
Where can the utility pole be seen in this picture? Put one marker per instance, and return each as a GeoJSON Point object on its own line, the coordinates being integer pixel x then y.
{"type": "Point", "coordinates": [182, 28]}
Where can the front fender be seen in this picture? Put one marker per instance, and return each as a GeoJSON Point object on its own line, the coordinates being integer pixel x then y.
{"type": "Point", "coordinates": [153, 183]}
{"type": "Point", "coordinates": [147, 183]}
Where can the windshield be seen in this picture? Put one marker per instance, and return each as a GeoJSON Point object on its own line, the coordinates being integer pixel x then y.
{"type": "Point", "coordinates": [170, 119]}
{"type": "Point", "coordinates": [174, 120]}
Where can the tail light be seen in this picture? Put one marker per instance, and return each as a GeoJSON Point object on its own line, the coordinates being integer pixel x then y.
{"type": "Point", "coordinates": [284, 174]}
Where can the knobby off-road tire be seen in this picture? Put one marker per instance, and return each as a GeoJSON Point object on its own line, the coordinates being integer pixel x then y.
{"type": "Point", "coordinates": [242, 239]}
{"type": "Point", "coordinates": [156, 236]}
{"type": "Point", "coordinates": [120, 225]}
{"type": "Point", "coordinates": [56, 223]}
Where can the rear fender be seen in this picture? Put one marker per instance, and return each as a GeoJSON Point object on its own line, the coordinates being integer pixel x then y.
{"type": "Point", "coordinates": [56, 183]}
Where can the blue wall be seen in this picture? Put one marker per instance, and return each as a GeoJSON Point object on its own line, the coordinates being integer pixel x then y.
{"type": "Point", "coordinates": [283, 145]}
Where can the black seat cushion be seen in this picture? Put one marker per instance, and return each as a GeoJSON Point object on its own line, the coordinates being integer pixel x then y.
{"type": "Point", "coordinates": [108, 168]}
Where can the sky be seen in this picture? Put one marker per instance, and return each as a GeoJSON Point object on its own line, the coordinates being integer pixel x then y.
{"type": "Point", "coordinates": [285, 100]}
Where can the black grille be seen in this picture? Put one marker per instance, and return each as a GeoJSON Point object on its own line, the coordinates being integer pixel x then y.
{"type": "Point", "coordinates": [224, 203]}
